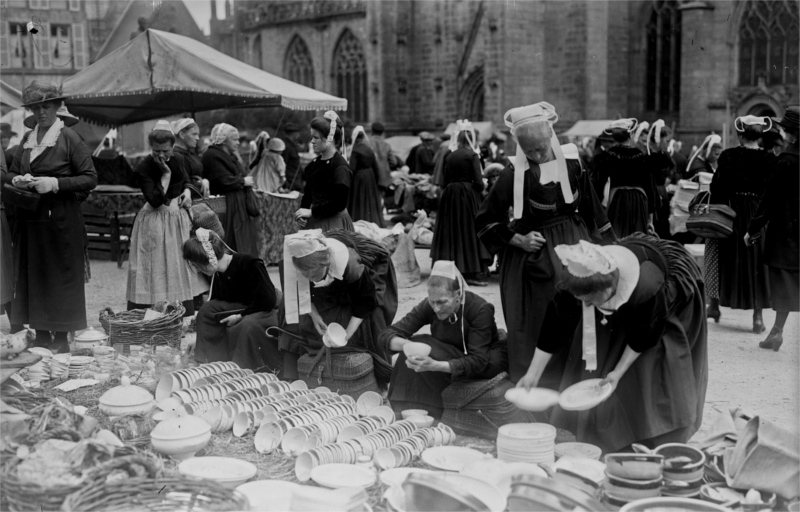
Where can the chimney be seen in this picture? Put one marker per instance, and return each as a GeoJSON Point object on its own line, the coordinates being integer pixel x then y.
{"type": "Point", "coordinates": [227, 9]}
{"type": "Point", "coordinates": [213, 10]}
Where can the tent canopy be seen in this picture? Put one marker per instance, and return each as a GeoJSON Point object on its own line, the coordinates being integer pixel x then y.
{"type": "Point", "coordinates": [591, 128]}
{"type": "Point", "coordinates": [9, 96]}
{"type": "Point", "coordinates": [158, 74]}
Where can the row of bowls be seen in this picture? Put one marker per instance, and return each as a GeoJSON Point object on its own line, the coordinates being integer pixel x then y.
{"type": "Point", "coordinates": [180, 379]}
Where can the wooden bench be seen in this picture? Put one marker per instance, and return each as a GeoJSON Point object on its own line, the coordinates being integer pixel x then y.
{"type": "Point", "coordinates": [108, 233]}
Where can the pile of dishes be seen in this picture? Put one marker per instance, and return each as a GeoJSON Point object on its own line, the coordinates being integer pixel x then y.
{"type": "Point", "coordinates": [59, 366]}
{"type": "Point", "coordinates": [273, 427]}
{"type": "Point", "coordinates": [104, 357]}
{"type": "Point", "coordinates": [526, 442]}
{"type": "Point", "coordinates": [41, 370]}
{"type": "Point", "coordinates": [403, 452]}
{"type": "Point", "coordinates": [227, 471]}
{"type": "Point", "coordinates": [683, 469]}
{"type": "Point", "coordinates": [632, 476]}
{"type": "Point", "coordinates": [78, 364]}
{"type": "Point", "coordinates": [300, 439]}
{"type": "Point", "coordinates": [582, 474]}
{"type": "Point", "coordinates": [180, 379]}
{"type": "Point", "coordinates": [578, 451]}
{"type": "Point", "coordinates": [361, 427]}
{"type": "Point", "coordinates": [446, 491]}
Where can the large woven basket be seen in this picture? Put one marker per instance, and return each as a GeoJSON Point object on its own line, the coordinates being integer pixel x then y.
{"type": "Point", "coordinates": [130, 327]}
{"type": "Point", "coordinates": [217, 203]}
{"type": "Point", "coordinates": [21, 496]}
{"type": "Point", "coordinates": [166, 494]}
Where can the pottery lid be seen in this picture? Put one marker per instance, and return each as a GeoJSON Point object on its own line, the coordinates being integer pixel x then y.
{"type": "Point", "coordinates": [180, 427]}
{"type": "Point", "coordinates": [126, 395]}
{"type": "Point", "coordinates": [91, 334]}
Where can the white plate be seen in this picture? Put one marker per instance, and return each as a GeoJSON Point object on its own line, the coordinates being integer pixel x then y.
{"type": "Point", "coordinates": [342, 475]}
{"type": "Point", "coordinates": [516, 432]}
{"type": "Point", "coordinates": [536, 399]}
{"type": "Point", "coordinates": [593, 470]}
{"type": "Point", "coordinates": [584, 395]}
{"type": "Point", "coordinates": [579, 450]}
{"type": "Point", "coordinates": [221, 469]}
{"type": "Point", "coordinates": [451, 458]}
{"type": "Point", "coordinates": [397, 476]}
{"type": "Point", "coordinates": [269, 495]}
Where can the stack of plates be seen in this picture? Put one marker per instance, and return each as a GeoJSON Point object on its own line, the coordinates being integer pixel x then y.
{"type": "Point", "coordinates": [104, 357]}
{"type": "Point", "coordinates": [78, 364]}
{"type": "Point", "coordinates": [59, 366]}
{"type": "Point", "coordinates": [526, 442]}
{"type": "Point", "coordinates": [578, 451]}
{"type": "Point", "coordinates": [41, 370]}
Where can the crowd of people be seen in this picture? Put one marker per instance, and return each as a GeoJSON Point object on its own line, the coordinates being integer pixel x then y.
{"type": "Point", "coordinates": [592, 281]}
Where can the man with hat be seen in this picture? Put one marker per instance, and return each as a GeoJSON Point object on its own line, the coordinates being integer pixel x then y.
{"type": "Point", "coordinates": [291, 156]}
{"type": "Point", "coordinates": [779, 211]}
{"type": "Point", "coordinates": [421, 158]}
{"type": "Point", "coordinates": [5, 136]}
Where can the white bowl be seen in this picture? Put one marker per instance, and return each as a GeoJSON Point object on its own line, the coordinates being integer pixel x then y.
{"type": "Point", "coordinates": [180, 437]}
{"type": "Point", "coordinates": [413, 412]}
{"type": "Point", "coordinates": [180, 449]}
{"type": "Point", "coordinates": [421, 421]}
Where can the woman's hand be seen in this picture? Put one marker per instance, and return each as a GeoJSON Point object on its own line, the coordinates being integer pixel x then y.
{"type": "Point", "coordinates": [319, 323]}
{"type": "Point", "coordinates": [531, 242]}
{"type": "Point", "coordinates": [748, 240]}
{"type": "Point", "coordinates": [528, 381]}
{"type": "Point", "coordinates": [23, 182]}
{"type": "Point", "coordinates": [301, 216]}
{"type": "Point", "coordinates": [612, 378]}
{"type": "Point", "coordinates": [205, 187]}
{"type": "Point", "coordinates": [162, 164]}
{"type": "Point", "coordinates": [45, 185]}
{"type": "Point", "coordinates": [426, 364]}
{"type": "Point", "coordinates": [232, 320]}
{"type": "Point", "coordinates": [186, 199]}
{"type": "Point", "coordinates": [248, 181]}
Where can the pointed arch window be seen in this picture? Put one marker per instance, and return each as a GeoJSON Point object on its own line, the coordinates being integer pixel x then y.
{"type": "Point", "coordinates": [473, 96]}
{"type": "Point", "coordinates": [768, 42]}
{"type": "Point", "coordinates": [663, 57]}
{"type": "Point", "coordinates": [350, 75]}
{"type": "Point", "coordinates": [297, 65]}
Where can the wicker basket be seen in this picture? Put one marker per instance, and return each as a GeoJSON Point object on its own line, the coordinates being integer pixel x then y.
{"type": "Point", "coordinates": [217, 203]}
{"type": "Point", "coordinates": [20, 496]}
{"type": "Point", "coordinates": [159, 494]}
{"type": "Point", "coordinates": [129, 327]}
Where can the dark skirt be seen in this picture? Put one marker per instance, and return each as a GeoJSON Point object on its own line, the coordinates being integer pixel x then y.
{"type": "Point", "coordinates": [454, 237]}
{"type": "Point", "coordinates": [627, 211]}
{"type": "Point", "coordinates": [783, 286]}
{"type": "Point", "coordinates": [245, 343]}
{"type": "Point", "coordinates": [6, 261]}
{"type": "Point", "coordinates": [240, 228]}
{"type": "Point", "coordinates": [660, 398]}
{"type": "Point", "coordinates": [341, 220]}
{"type": "Point", "coordinates": [743, 275]}
{"type": "Point", "coordinates": [532, 306]}
{"type": "Point", "coordinates": [711, 268]}
{"type": "Point", "coordinates": [411, 390]}
{"type": "Point", "coordinates": [365, 199]}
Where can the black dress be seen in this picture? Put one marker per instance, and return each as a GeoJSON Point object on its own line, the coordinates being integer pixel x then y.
{"type": "Point", "coordinates": [532, 306]}
{"type": "Point", "coordinates": [633, 194]}
{"type": "Point", "coordinates": [454, 237]}
{"type": "Point", "coordinates": [245, 284]}
{"type": "Point", "coordinates": [661, 166]}
{"type": "Point", "coordinates": [740, 180]}
{"type": "Point", "coordinates": [486, 357]}
{"type": "Point", "coordinates": [327, 191]}
{"type": "Point", "coordinates": [661, 396]}
{"type": "Point", "coordinates": [365, 198]}
{"type": "Point", "coordinates": [778, 211]}
{"type": "Point", "coordinates": [192, 166]}
{"type": "Point", "coordinates": [226, 177]}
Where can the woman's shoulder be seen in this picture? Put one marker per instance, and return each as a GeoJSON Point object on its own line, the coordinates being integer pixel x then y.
{"type": "Point", "coordinates": [651, 281]}
{"type": "Point", "coordinates": [247, 260]}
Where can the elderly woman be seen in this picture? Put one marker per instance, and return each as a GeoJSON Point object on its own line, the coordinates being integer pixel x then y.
{"type": "Point", "coordinates": [187, 136]}
{"type": "Point", "coordinates": [649, 343]}
{"type": "Point", "coordinates": [352, 283]}
{"type": "Point", "coordinates": [739, 182]}
{"type": "Point", "coordinates": [55, 165]}
{"type": "Point", "coordinates": [553, 203]}
{"type": "Point", "coordinates": [242, 304]}
{"type": "Point", "coordinates": [156, 271]}
{"type": "Point", "coordinates": [223, 170]}
{"type": "Point", "coordinates": [464, 342]}
{"type": "Point", "coordinates": [779, 214]}
{"type": "Point", "coordinates": [365, 197]}
{"type": "Point", "coordinates": [454, 237]}
{"type": "Point", "coordinates": [328, 179]}
{"type": "Point", "coordinates": [632, 196]}
{"type": "Point", "coordinates": [269, 173]}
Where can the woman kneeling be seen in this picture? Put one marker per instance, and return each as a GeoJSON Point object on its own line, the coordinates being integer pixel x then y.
{"type": "Point", "coordinates": [242, 304]}
{"type": "Point", "coordinates": [464, 342]}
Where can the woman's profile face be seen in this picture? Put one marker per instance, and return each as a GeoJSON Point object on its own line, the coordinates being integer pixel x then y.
{"type": "Point", "coordinates": [44, 113]}
{"type": "Point", "coordinates": [444, 302]}
{"type": "Point", "coordinates": [318, 142]}
{"type": "Point", "coordinates": [714, 155]}
{"type": "Point", "coordinates": [231, 144]}
{"type": "Point", "coordinates": [597, 298]}
{"type": "Point", "coordinates": [190, 136]}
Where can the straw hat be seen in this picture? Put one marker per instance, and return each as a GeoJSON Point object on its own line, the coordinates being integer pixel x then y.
{"type": "Point", "coordinates": [40, 92]}
{"type": "Point", "coordinates": [62, 113]}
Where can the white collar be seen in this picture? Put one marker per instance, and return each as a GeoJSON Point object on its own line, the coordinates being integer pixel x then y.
{"type": "Point", "coordinates": [628, 265]}
{"type": "Point", "coordinates": [49, 140]}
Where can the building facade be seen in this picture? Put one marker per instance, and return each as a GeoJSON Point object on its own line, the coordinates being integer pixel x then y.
{"type": "Point", "coordinates": [420, 64]}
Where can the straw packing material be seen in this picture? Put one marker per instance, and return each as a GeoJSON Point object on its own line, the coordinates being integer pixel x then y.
{"type": "Point", "coordinates": [526, 442]}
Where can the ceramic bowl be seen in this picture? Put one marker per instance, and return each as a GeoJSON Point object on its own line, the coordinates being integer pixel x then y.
{"type": "Point", "coordinates": [631, 490]}
{"type": "Point", "coordinates": [689, 472]}
{"type": "Point", "coordinates": [415, 349]}
{"type": "Point", "coordinates": [634, 466]}
{"type": "Point", "coordinates": [181, 437]}
{"type": "Point", "coordinates": [422, 421]}
{"type": "Point", "coordinates": [413, 412]}
{"type": "Point", "coordinates": [335, 336]}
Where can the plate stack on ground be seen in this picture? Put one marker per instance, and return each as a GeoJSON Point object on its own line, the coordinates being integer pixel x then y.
{"type": "Point", "coordinates": [104, 357]}
{"type": "Point", "coordinates": [631, 477]}
{"type": "Point", "coordinates": [41, 370]}
{"type": "Point", "coordinates": [59, 366]}
{"type": "Point", "coordinates": [78, 364]}
{"type": "Point", "coordinates": [526, 442]}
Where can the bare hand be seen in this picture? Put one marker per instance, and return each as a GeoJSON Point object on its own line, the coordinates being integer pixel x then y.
{"type": "Point", "coordinates": [163, 164]}
{"type": "Point", "coordinates": [248, 181]}
{"type": "Point", "coordinates": [528, 381]}
{"type": "Point", "coordinates": [302, 213]}
{"type": "Point", "coordinates": [748, 240]}
{"type": "Point", "coordinates": [612, 378]}
{"type": "Point", "coordinates": [205, 188]}
{"type": "Point", "coordinates": [44, 185]}
{"type": "Point", "coordinates": [423, 364]}
{"type": "Point", "coordinates": [301, 223]}
{"type": "Point", "coordinates": [533, 241]}
{"type": "Point", "coordinates": [319, 324]}
{"type": "Point", "coordinates": [186, 199]}
{"type": "Point", "coordinates": [231, 320]}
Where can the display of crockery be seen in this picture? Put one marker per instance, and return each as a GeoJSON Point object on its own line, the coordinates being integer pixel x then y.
{"type": "Point", "coordinates": [59, 366]}
{"type": "Point", "coordinates": [499, 473]}
{"type": "Point", "coordinates": [269, 495]}
{"type": "Point", "coordinates": [578, 450]}
{"type": "Point", "coordinates": [41, 370]}
{"type": "Point", "coordinates": [298, 439]}
{"type": "Point", "coordinates": [270, 434]}
{"type": "Point", "coordinates": [222, 376]}
{"type": "Point", "coordinates": [584, 395]}
{"type": "Point", "coordinates": [184, 378]}
{"type": "Point", "coordinates": [228, 471]}
{"type": "Point", "coordinates": [368, 401]}
{"type": "Point", "coordinates": [526, 442]}
{"type": "Point", "coordinates": [409, 448]}
{"type": "Point", "coordinates": [78, 364]}
{"type": "Point", "coordinates": [336, 476]}
{"type": "Point", "coordinates": [396, 476]}
{"type": "Point", "coordinates": [345, 499]}
{"type": "Point", "coordinates": [104, 357]}
{"type": "Point", "coordinates": [451, 458]}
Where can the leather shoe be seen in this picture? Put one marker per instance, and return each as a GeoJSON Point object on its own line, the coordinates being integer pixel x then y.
{"type": "Point", "coordinates": [773, 341]}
